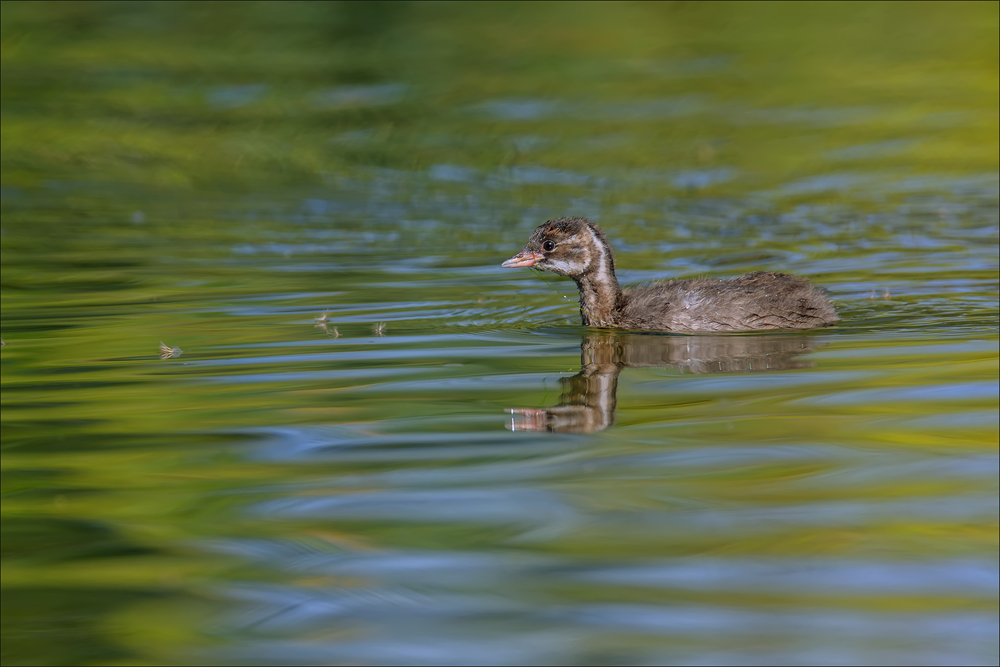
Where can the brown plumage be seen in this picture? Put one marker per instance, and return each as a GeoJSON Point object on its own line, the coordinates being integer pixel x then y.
{"type": "Point", "coordinates": [579, 249]}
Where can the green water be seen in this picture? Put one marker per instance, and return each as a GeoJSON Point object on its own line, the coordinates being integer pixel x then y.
{"type": "Point", "coordinates": [218, 177]}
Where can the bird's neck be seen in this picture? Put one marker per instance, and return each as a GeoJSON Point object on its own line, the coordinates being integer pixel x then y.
{"type": "Point", "coordinates": [600, 294]}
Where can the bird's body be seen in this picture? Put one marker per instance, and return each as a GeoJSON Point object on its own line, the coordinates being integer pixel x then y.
{"type": "Point", "coordinates": [579, 249]}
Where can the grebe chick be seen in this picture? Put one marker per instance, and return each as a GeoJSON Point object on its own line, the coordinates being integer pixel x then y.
{"type": "Point", "coordinates": [579, 249]}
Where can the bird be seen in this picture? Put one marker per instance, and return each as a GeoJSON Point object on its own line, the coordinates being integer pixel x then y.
{"type": "Point", "coordinates": [578, 248]}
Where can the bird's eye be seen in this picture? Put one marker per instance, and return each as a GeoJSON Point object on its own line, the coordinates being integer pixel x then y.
{"type": "Point", "coordinates": [548, 246]}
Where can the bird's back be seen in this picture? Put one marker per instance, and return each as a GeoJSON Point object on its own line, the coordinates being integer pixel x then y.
{"type": "Point", "coordinates": [754, 301]}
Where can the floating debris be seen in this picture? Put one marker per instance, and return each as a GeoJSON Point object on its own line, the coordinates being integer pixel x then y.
{"type": "Point", "coordinates": [167, 352]}
{"type": "Point", "coordinates": [323, 322]}
{"type": "Point", "coordinates": [379, 328]}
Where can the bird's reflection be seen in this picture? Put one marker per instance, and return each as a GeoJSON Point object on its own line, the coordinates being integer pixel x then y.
{"type": "Point", "coordinates": [589, 401]}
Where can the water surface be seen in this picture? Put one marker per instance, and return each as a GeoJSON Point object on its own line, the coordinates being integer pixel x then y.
{"type": "Point", "coordinates": [368, 443]}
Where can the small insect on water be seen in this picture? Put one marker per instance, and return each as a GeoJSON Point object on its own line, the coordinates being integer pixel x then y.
{"type": "Point", "coordinates": [167, 352]}
{"type": "Point", "coordinates": [323, 322]}
{"type": "Point", "coordinates": [379, 328]}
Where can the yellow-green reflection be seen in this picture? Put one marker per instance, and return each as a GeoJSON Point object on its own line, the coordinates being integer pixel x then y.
{"type": "Point", "coordinates": [217, 176]}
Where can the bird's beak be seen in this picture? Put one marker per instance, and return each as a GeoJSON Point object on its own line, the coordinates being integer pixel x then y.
{"type": "Point", "coordinates": [524, 258]}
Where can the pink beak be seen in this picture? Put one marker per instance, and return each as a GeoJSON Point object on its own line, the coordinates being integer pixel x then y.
{"type": "Point", "coordinates": [523, 258]}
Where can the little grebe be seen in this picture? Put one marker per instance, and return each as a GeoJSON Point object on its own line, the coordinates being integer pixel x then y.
{"type": "Point", "coordinates": [579, 249]}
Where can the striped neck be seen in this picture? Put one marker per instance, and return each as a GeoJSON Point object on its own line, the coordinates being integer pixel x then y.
{"type": "Point", "coordinates": [600, 294]}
